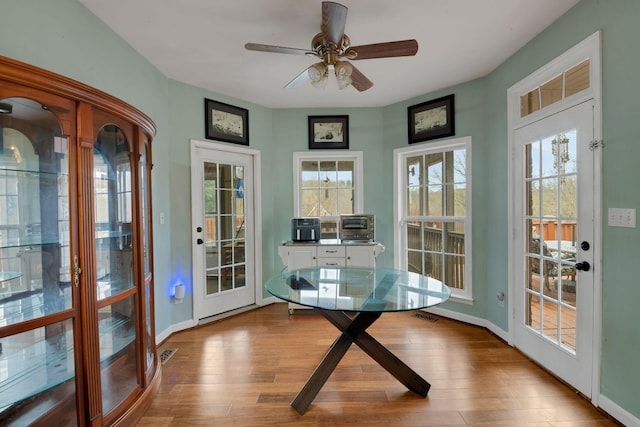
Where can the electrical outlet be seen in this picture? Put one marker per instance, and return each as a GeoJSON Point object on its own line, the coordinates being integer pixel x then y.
{"type": "Point", "coordinates": [618, 217]}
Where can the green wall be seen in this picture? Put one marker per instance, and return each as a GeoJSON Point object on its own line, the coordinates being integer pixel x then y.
{"type": "Point", "coordinates": [62, 36]}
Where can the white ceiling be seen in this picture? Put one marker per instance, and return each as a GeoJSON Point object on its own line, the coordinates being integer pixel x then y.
{"type": "Point", "coordinates": [201, 43]}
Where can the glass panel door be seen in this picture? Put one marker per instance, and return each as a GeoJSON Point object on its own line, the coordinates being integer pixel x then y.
{"type": "Point", "coordinates": [554, 211]}
{"type": "Point", "coordinates": [114, 266]}
{"type": "Point", "coordinates": [551, 224]}
{"type": "Point", "coordinates": [145, 196]}
{"type": "Point", "coordinates": [222, 214]}
{"type": "Point", "coordinates": [37, 372]}
{"type": "Point", "coordinates": [224, 226]}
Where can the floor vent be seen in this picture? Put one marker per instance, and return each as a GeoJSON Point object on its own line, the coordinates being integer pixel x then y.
{"type": "Point", "coordinates": [166, 354]}
{"type": "Point", "coordinates": [425, 317]}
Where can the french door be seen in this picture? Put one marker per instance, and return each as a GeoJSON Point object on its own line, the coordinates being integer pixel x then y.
{"type": "Point", "coordinates": [554, 238]}
{"type": "Point", "coordinates": [223, 221]}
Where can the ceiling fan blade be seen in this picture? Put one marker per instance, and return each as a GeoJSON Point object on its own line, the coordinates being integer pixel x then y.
{"type": "Point", "coordinates": [359, 81]}
{"type": "Point", "coordinates": [386, 50]}
{"type": "Point", "coordinates": [299, 80]}
{"type": "Point", "coordinates": [334, 19]}
{"type": "Point", "coordinates": [277, 49]}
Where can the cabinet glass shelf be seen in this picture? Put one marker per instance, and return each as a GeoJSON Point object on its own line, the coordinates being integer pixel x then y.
{"type": "Point", "coordinates": [21, 305]}
{"type": "Point", "coordinates": [32, 363]}
{"type": "Point", "coordinates": [42, 240]}
{"type": "Point", "coordinates": [35, 361]}
{"type": "Point", "coordinates": [5, 276]}
{"type": "Point", "coordinates": [31, 241]}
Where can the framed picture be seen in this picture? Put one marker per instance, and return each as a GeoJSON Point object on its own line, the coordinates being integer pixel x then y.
{"type": "Point", "coordinates": [225, 122]}
{"type": "Point", "coordinates": [432, 119]}
{"type": "Point", "coordinates": [328, 132]}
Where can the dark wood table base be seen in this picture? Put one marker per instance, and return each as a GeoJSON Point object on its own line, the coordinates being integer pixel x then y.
{"type": "Point", "coordinates": [354, 331]}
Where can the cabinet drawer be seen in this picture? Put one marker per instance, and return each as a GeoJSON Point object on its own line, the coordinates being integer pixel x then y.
{"type": "Point", "coordinates": [331, 251]}
{"type": "Point", "coordinates": [331, 262]}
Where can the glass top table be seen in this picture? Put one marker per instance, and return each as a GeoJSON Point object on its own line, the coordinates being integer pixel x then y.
{"type": "Point", "coordinates": [358, 289]}
{"type": "Point", "coordinates": [352, 299]}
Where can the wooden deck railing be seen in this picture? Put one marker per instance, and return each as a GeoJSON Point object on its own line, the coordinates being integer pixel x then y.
{"type": "Point", "coordinates": [450, 269]}
{"type": "Point", "coordinates": [548, 229]}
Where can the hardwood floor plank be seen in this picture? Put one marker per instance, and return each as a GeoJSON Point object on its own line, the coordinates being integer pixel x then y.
{"type": "Point", "coordinates": [245, 370]}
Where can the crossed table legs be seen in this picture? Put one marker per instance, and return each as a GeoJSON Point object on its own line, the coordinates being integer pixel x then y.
{"type": "Point", "coordinates": [354, 331]}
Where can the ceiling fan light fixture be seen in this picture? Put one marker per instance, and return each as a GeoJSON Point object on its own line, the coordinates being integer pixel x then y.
{"type": "Point", "coordinates": [343, 72]}
{"type": "Point", "coordinates": [321, 83]}
{"type": "Point", "coordinates": [318, 75]}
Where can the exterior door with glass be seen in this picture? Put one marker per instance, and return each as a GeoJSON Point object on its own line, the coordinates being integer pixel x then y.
{"type": "Point", "coordinates": [224, 233]}
{"type": "Point", "coordinates": [554, 220]}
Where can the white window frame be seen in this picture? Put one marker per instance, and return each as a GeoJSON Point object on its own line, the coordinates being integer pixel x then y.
{"type": "Point", "coordinates": [333, 155]}
{"type": "Point", "coordinates": [400, 156]}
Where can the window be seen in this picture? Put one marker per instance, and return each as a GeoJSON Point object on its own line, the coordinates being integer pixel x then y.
{"type": "Point", "coordinates": [434, 207]}
{"type": "Point", "coordinates": [572, 81]}
{"type": "Point", "coordinates": [327, 186]}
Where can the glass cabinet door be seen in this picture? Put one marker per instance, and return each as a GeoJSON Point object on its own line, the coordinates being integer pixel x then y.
{"type": "Point", "coordinates": [116, 292]}
{"type": "Point", "coordinates": [37, 365]}
{"type": "Point", "coordinates": [145, 203]}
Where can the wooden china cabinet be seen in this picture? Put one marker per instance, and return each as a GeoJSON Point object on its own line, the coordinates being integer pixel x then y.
{"type": "Point", "coordinates": [77, 340]}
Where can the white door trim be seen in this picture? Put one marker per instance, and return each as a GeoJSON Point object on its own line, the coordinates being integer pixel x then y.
{"type": "Point", "coordinates": [588, 48]}
{"type": "Point", "coordinates": [257, 214]}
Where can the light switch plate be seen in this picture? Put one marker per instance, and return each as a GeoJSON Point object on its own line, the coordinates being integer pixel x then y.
{"type": "Point", "coordinates": [619, 217]}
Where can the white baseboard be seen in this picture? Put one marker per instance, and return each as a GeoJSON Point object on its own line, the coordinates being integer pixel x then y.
{"type": "Point", "coordinates": [472, 320]}
{"type": "Point", "coordinates": [187, 324]}
{"type": "Point", "coordinates": [620, 414]}
{"type": "Point", "coordinates": [269, 300]}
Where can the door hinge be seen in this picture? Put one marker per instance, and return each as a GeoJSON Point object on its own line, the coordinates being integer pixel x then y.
{"type": "Point", "coordinates": [594, 145]}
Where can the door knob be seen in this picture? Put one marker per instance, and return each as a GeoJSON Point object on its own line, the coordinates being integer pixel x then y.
{"type": "Point", "coordinates": [199, 229]}
{"type": "Point", "coordinates": [200, 241]}
{"type": "Point", "coordinates": [583, 266]}
{"type": "Point", "coordinates": [585, 246]}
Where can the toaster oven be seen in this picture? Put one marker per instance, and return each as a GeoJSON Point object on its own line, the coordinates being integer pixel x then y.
{"type": "Point", "coordinates": [357, 227]}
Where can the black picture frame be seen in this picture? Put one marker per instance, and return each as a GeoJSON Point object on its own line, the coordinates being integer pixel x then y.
{"type": "Point", "coordinates": [328, 132]}
{"type": "Point", "coordinates": [432, 119]}
{"type": "Point", "coordinates": [225, 122]}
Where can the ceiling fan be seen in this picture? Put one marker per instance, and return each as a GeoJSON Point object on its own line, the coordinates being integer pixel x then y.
{"type": "Point", "coordinates": [332, 46]}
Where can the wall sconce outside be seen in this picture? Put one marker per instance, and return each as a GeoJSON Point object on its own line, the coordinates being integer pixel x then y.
{"type": "Point", "coordinates": [178, 295]}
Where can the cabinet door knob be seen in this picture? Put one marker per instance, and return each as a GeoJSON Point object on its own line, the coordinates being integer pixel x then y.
{"type": "Point", "coordinates": [76, 271]}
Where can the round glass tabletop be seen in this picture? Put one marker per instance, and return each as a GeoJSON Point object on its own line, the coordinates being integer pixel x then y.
{"type": "Point", "coordinates": [358, 289]}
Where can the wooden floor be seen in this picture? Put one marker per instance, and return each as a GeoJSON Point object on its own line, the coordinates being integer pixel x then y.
{"type": "Point", "coordinates": [246, 369]}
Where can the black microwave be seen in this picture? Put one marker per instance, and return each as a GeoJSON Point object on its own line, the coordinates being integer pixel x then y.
{"type": "Point", "coordinates": [305, 229]}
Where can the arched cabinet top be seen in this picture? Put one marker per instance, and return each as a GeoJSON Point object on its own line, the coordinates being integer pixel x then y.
{"type": "Point", "coordinates": [28, 75]}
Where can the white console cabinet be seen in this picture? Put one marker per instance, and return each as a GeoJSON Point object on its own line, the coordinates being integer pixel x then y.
{"type": "Point", "coordinates": [318, 254]}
